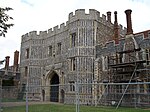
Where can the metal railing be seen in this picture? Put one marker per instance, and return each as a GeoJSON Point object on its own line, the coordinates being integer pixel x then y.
{"type": "Point", "coordinates": [91, 94]}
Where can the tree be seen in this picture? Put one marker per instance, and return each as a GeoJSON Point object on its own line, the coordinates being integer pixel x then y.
{"type": "Point", "coordinates": [4, 18]}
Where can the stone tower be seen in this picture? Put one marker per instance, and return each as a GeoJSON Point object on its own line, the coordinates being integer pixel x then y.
{"type": "Point", "coordinates": [64, 55]}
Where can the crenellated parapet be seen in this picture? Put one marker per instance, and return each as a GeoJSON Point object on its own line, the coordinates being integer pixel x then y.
{"type": "Point", "coordinates": [78, 15]}
{"type": "Point", "coordinates": [44, 34]}
{"type": "Point", "coordinates": [57, 29]}
{"type": "Point", "coordinates": [28, 36]}
{"type": "Point", "coordinates": [93, 15]}
{"type": "Point", "coordinates": [33, 34]}
{"type": "Point", "coordinates": [25, 37]}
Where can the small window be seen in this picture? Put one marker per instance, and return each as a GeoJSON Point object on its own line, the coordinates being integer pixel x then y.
{"type": "Point", "coordinates": [120, 58]}
{"type": "Point", "coordinates": [27, 53]}
{"type": "Point", "coordinates": [147, 51]}
{"type": "Point", "coordinates": [72, 64]}
{"type": "Point", "coordinates": [49, 50]}
{"type": "Point", "coordinates": [26, 71]}
{"type": "Point", "coordinates": [71, 86]}
{"type": "Point", "coordinates": [59, 48]}
{"type": "Point", "coordinates": [73, 38]}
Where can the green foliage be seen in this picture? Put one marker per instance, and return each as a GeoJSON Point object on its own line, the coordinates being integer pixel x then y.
{"type": "Point", "coordinates": [4, 18]}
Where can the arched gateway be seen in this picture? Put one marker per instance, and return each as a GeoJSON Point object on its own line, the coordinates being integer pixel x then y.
{"type": "Point", "coordinates": [52, 87]}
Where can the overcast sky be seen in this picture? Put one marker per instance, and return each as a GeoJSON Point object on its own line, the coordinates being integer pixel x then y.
{"type": "Point", "coordinates": [40, 15]}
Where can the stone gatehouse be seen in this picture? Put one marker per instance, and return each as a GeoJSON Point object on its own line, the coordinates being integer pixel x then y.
{"type": "Point", "coordinates": [65, 54]}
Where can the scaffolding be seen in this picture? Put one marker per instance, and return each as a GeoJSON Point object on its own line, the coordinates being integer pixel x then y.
{"type": "Point", "coordinates": [134, 69]}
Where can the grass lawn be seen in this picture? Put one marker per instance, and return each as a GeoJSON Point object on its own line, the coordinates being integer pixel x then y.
{"type": "Point", "coordinates": [69, 108]}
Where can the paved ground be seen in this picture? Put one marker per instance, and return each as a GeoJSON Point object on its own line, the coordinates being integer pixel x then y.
{"type": "Point", "coordinates": [12, 104]}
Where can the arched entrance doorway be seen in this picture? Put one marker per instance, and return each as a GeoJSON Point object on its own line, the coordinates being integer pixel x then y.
{"type": "Point", "coordinates": [54, 88]}
{"type": "Point", "coordinates": [62, 96]}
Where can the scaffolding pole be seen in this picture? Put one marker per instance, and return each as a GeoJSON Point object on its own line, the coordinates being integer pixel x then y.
{"type": "Point", "coordinates": [103, 92]}
{"type": "Point", "coordinates": [0, 94]}
{"type": "Point", "coordinates": [126, 87]}
{"type": "Point", "coordinates": [77, 87]}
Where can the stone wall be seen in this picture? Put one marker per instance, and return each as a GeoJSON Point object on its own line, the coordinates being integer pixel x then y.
{"type": "Point", "coordinates": [90, 29]}
{"type": "Point", "coordinates": [10, 92]}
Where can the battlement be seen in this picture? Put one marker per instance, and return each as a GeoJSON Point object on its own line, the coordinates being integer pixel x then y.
{"type": "Point", "coordinates": [33, 33]}
{"type": "Point", "coordinates": [79, 14]}
{"type": "Point", "coordinates": [42, 34]}
{"type": "Point", "coordinates": [27, 36]}
{"type": "Point", "coordinates": [30, 34]}
{"type": "Point", "coordinates": [57, 29]}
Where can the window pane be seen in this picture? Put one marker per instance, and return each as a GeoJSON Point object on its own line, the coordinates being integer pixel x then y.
{"type": "Point", "coordinates": [27, 53]}
{"type": "Point", "coordinates": [50, 50]}
{"type": "Point", "coordinates": [73, 38]}
{"type": "Point", "coordinates": [59, 48]}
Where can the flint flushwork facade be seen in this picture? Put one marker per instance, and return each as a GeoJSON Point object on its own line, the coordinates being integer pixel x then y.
{"type": "Point", "coordinates": [75, 50]}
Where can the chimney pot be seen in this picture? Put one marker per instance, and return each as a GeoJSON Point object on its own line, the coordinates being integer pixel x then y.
{"type": "Point", "coordinates": [16, 58]}
{"type": "Point", "coordinates": [115, 17]}
{"type": "Point", "coordinates": [109, 16]}
{"type": "Point", "coordinates": [129, 21]}
{"type": "Point", "coordinates": [7, 62]}
{"type": "Point", "coordinates": [116, 29]}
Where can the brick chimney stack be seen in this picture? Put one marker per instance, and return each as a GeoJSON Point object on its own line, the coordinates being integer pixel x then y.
{"type": "Point", "coordinates": [7, 62]}
{"type": "Point", "coordinates": [109, 16]}
{"type": "Point", "coordinates": [116, 29]}
{"type": "Point", "coordinates": [129, 22]}
{"type": "Point", "coordinates": [116, 21]}
{"type": "Point", "coordinates": [16, 58]}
